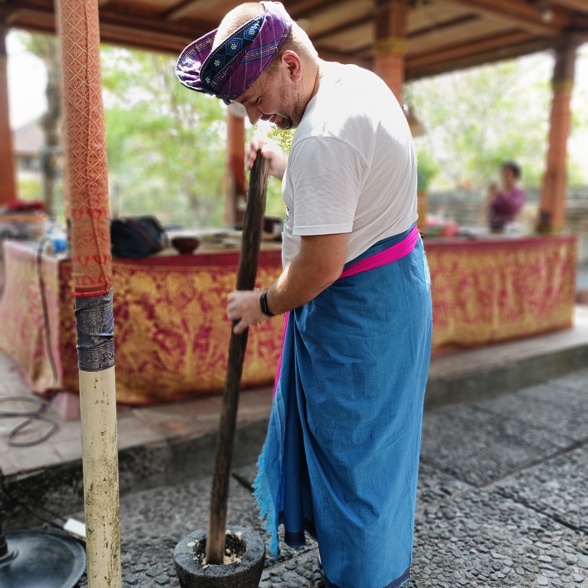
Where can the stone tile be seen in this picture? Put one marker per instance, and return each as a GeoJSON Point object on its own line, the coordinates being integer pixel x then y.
{"type": "Point", "coordinates": [481, 540]}
{"type": "Point", "coordinates": [69, 449]}
{"type": "Point", "coordinates": [29, 439]}
{"type": "Point", "coordinates": [478, 447]}
{"type": "Point", "coordinates": [201, 416]}
{"type": "Point", "coordinates": [11, 382]}
{"type": "Point", "coordinates": [132, 431]}
{"type": "Point", "coordinates": [181, 419]}
{"type": "Point", "coordinates": [246, 474]}
{"type": "Point", "coordinates": [576, 381]}
{"type": "Point", "coordinates": [37, 457]}
{"type": "Point", "coordinates": [552, 406]}
{"type": "Point", "coordinates": [68, 431]}
{"type": "Point", "coordinates": [435, 485]}
{"type": "Point", "coordinates": [478, 539]}
{"type": "Point", "coordinates": [8, 461]}
{"type": "Point", "coordinates": [556, 487]}
{"type": "Point", "coordinates": [255, 405]}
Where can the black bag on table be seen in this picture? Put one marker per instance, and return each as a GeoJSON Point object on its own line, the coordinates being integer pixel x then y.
{"type": "Point", "coordinates": [136, 236]}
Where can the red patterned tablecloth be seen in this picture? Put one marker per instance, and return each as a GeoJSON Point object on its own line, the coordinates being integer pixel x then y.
{"type": "Point", "coordinates": [172, 335]}
{"type": "Point", "coordinates": [171, 331]}
{"type": "Point", "coordinates": [491, 290]}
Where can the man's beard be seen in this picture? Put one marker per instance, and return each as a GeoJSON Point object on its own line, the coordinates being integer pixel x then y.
{"type": "Point", "coordinates": [286, 124]}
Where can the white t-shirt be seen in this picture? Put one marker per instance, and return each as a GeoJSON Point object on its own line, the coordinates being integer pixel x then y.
{"type": "Point", "coordinates": [352, 165]}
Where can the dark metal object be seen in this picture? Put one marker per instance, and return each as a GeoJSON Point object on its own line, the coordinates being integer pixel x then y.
{"type": "Point", "coordinates": [245, 281]}
{"type": "Point", "coordinates": [35, 559]}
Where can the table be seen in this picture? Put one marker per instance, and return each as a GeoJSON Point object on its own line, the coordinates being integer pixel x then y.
{"type": "Point", "coordinates": [499, 288]}
{"type": "Point", "coordinates": [171, 331]}
{"type": "Point", "coordinates": [172, 335]}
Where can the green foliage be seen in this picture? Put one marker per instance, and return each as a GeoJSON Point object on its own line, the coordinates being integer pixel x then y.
{"type": "Point", "coordinates": [427, 169]}
{"type": "Point", "coordinates": [478, 118]}
{"type": "Point", "coordinates": [43, 46]}
{"type": "Point", "coordinates": [166, 144]}
{"type": "Point", "coordinates": [30, 188]}
{"type": "Point", "coordinates": [283, 137]}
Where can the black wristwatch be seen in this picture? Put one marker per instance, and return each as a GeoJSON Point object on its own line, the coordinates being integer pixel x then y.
{"type": "Point", "coordinates": [263, 303]}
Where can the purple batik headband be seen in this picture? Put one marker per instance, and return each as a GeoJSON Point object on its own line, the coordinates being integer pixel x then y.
{"type": "Point", "coordinates": [232, 67]}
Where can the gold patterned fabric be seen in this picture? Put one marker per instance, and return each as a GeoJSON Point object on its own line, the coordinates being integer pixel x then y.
{"type": "Point", "coordinates": [172, 335]}
{"type": "Point", "coordinates": [171, 329]}
{"type": "Point", "coordinates": [498, 289]}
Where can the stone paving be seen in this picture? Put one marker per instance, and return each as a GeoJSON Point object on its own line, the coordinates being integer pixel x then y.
{"type": "Point", "coordinates": [503, 501]}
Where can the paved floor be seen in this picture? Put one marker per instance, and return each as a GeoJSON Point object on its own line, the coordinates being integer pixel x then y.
{"type": "Point", "coordinates": [503, 501]}
{"type": "Point", "coordinates": [503, 487]}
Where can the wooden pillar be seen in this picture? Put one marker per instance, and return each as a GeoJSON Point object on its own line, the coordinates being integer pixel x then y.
{"type": "Point", "coordinates": [236, 188]}
{"type": "Point", "coordinates": [390, 47]}
{"type": "Point", "coordinates": [554, 186]}
{"type": "Point", "coordinates": [7, 168]}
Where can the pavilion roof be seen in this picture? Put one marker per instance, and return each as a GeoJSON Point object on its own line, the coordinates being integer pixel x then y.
{"type": "Point", "coordinates": [443, 35]}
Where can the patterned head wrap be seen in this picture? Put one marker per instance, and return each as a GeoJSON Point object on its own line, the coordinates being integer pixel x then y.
{"type": "Point", "coordinates": [232, 67]}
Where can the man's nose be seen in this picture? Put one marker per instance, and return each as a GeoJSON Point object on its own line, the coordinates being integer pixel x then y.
{"type": "Point", "coordinates": [253, 114]}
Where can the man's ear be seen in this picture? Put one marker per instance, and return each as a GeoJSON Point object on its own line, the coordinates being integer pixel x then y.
{"type": "Point", "coordinates": [292, 62]}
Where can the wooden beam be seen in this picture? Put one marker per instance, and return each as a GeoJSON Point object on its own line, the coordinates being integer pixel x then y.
{"type": "Point", "coordinates": [140, 25]}
{"type": "Point", "coordinates": [434, 29]}
{"type": "Point", "coordinates": [426, 70]}
{"type": "Point", "coordinates": [355, 59]}
{"type": "Point", "coordinates": [301, 8]}
{"type": "Point", "coordinates": [466, 49]}
{"type": "Point", "coordinates": [580, 24]}
{"type": "Point", "coordinates": [317, 9]}
{"type": "Point", "coordinates": [522, 14]}
{"type": "Point", "coordinates": [123, 29]}
{"type": "Point", "coordinates": [579, 5]}
{"type": "Point", "coordinates": [342, 28]}
{"type": "Point", "coordinates": [181, 9]}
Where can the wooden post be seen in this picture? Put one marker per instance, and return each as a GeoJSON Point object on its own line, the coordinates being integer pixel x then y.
{"type": "Point", "coordinates": [8, 190]}
{"type": "Point", "coordinates": [390, 47]}
{"type": "Point", "coordinates": [554, 187]}
{"type": "Point", "coordinates": [215, 540]}
{"type": "Point", "coordinates": [87, 187]}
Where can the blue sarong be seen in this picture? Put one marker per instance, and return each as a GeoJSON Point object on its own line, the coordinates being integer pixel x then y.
{"type": "Point", "coordinates": [341, 455]}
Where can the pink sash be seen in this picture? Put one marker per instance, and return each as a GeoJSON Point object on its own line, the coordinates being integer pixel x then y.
{"type": "Point", "coordinates": [393, 253]}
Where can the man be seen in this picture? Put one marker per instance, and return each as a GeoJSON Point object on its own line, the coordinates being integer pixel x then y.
{"type": "Point", "coordinates": [341, 455]}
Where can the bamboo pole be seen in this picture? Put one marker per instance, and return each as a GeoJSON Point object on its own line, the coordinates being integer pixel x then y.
{"type": "Point", "coordinates": [101, 500]}
{"type": "Point", "coordinates": [86, 187]}
{"type": "Point", "coordinates": [215, 542]}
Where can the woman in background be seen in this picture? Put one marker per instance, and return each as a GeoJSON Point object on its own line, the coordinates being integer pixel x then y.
{"type": "Point", "coordinates": [502, 206]}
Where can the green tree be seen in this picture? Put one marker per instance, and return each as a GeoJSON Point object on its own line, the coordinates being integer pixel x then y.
{"type": "Point", "coordinates": [166, 144]}
{"type": "Point", "coordinates": [478, 118]}
{"type": "Point", "coordinates": [45, 47]}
